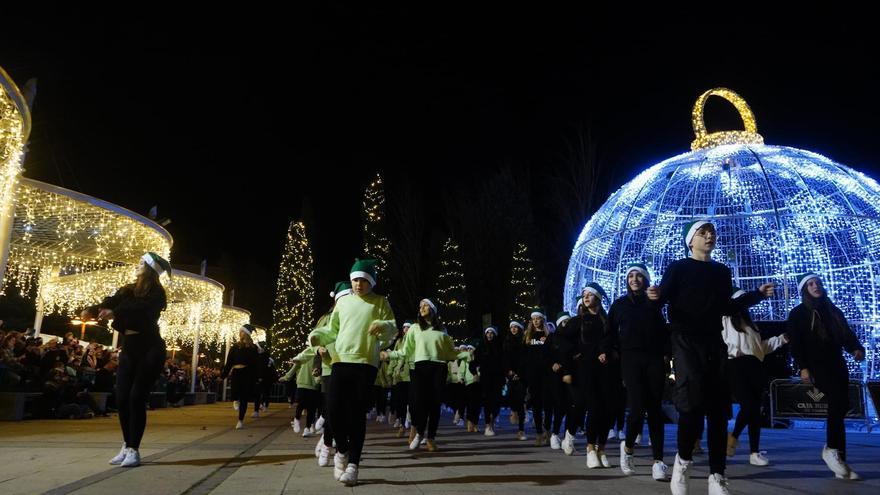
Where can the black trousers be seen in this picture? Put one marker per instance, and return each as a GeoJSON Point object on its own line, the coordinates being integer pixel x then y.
{"type": "Point", "coordinates": [400, 400]}
{"type": "Point", "coordinates": [307, 399]}
{"type": "Point", "coordinates": [492, 387]}
{"type": "Point", "coordinates": [516, 394]}
{"type": "Point", "coordinates": [746, 375]}
{"type": "Point", "coordinates": [832, 379]}
{"type": "Point", "coordinates": [244, 390]}
{"type": "Point", "coordinates": [473, 395]}
{"type": "Point", "coordinates": [328, 426]}
{"type": "Point", "coordinates": [596, 392]}
{"type": "Point", "coordinates": [544, 399]}
{"type": "Point", "coordinates": [455, 393]}
{"type": "Point", "coordinates": [381, 394]}
{"type": "Point", "coordinates": [140, 362]}
{"type": "Point", "coordinates": [428, 380]}
{"type": "Point", "coordinates": [349, 396]}
{"type": "Point", "coordinates": [701, 391]}
{"type": "Point", "coordinates": [644, 375]}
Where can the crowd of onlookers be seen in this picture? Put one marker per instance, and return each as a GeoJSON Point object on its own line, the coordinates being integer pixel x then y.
{"type": "Point", "coordinates": [68, 375]}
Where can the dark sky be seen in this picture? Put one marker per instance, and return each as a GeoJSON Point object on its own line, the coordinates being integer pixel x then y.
{"type": "Point", "coordinates": [230, 120]}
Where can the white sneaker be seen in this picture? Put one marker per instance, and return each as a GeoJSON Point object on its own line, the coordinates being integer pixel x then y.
{"type": "Point", "coordinates": [593, 459]}
{"type": "Point", "coordinates": [718, 485]}
{"type": "Point", "coordinates": [117, 460]}
{"type": "Point", "coordinates": [758, 459]}
{"type": "Point", "coordinates": [414, 445]}
{"type": "Point", "coordinates": [834, 462]}
{"type": "Point", "coordinates": [604, 460]}
{"type": "Point", "coordinates": [319, 446]}
{"type": "Point", "coordinates": [256, 414]}
{"type": "Point", "coordinates": [239, 425]}
{"type": "Point", "coordinates": [568, 444]}
{"type": "Point", "coordinates": [319, 424]}
{"type": "Point", "coordinates": [626, 461]}
{"type": "Point", "coordinates": [424, 441]}
{"type": "Point", "coordinates": [852, 476]}
{"type": "Point", "coordinates": [308, 432]}
{"type": "Point", "coordinates": [297, 426]}
{"type": "Point", "coordinates": [456, 418]}
{"type": "Point", "coordinates": [396, 423]}
{"type": "Point", "coordinates": [235, 405]}
{"type": "Point", "coordinates": [408, 423]}
{"type": "Point", "coordinates": [638, 440]}
{"type": "Point", "coordinates": [489, 432]}
{"type": "Point", "coordinates": [460, 423]}
{"type": "Point", "coordinates": [381, 419]}
{"type": "Point", "coordinates": [324, 456]}
{"type": "Point", "coordinates": [340, 461]}
{"type": "Point", "coordinates": [612, 434]}
{"type": "Point", "coordinates": [132, 458]}
{"type": "Point", "coordinates": [555, 444]}
{"type": "Point", "coordinates": [521, 435]}
{"type": "Point", "coordinates": [660, 471]}
{"type": "Point", "coordinates": [681, 476]}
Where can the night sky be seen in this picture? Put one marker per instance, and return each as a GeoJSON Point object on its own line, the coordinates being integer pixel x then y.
{"type": "Point", "coordinates": [231, 122]}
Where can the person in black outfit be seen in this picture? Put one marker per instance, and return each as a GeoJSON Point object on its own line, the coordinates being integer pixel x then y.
{"type": "Point", "coordinates": [586, 355]}
{"type": "Point", "coordinates": [513, 359]}
{"type": "Point", "coordinates": [243, 365]}
{"type": "Point", "coordinates": [697, 291]}
{"type": "Point", "coordinates": [819, 333]}
{"type": "Point", "coordinates": [488, 363]}
{"type": "Point", "coordinates": [640, 333]}
{"type": "Point", "coordinates": [135, 310]}
{"type": "Point", "coordinates": [540, 377]}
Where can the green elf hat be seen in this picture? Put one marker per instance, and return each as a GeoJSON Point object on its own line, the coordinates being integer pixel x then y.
{"type": "Point", "coordinates": [640, 268]}
{"type": "Point", "coordinates": [407, 323]}
{"type": "Point", "coordinates": [515, 323]}
{"type": "Point", "coordinates": [538, 312]}
{"type": "Point", "coordinates": [803, 279]}
{"type": "Point", "coordinates": [690, 230]}
{"type": "Point", "coordinates": [365, 269]}
{"type": "Point", "coordinates": [596, 289]}
{"type": "Point", "coordinates": [737, 292]}
{"type": "Point", "coordinates": [341, 289]}
{"type": "Point", "coordinates": [492, 330]}
{"type": "Point", "coordinates": [159, 264]}
{"type": "Point", "coordinates": [562, 316]}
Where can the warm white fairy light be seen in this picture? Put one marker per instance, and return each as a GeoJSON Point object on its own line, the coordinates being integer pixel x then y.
{"type": "Point", "coordinates": [231, 320]}
{"type": "Point", "coordinates": [14, 130]}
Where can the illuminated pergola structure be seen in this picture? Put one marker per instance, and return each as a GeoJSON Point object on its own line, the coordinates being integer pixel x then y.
{"type": "Point", "coordinates": [15, 127]}
{"type": "Point", "coordinates": [59, 233]}
{"type": "Point", "coordinates": [780, 212]}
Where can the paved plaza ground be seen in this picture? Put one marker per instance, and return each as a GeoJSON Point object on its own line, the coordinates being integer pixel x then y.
{"type": "Point", "coordinates": [195, 450]}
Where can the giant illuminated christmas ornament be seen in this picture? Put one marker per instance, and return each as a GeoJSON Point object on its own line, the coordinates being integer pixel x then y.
{"type": "Point", "coordinates": [780, 212]}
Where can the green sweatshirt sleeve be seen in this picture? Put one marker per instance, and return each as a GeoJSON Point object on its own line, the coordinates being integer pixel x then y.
{"type": "Point", "coordinates": [386, 321]}
{"type": "Point", "coordinates": [327, 334]}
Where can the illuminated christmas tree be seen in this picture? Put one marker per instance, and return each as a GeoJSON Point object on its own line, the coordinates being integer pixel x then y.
{"type": "Point", "coordinates": [523, 283]}
{"type": "Point", "coordinates": [451, 292]}
{"type": "Point", "coordinates": [294, 311]}
{"type": "Point", "coordinates": [376, 243]}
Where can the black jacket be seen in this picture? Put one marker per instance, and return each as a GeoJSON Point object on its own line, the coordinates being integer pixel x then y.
{"type": "Point", "coordinates": [582, 340]}
{"type": "Point", "coordinates": [635, 323]}
{"type": "Point", "coordinates": [488, 358]}
{"type": "Point", "coordinates": [246, 355]}
{"type": "Point", "coordinates": [816, 341]}
{"type": "Point", "coordinates": [514, 354]}
{"type": "Point", "coordinates": [131, 312]}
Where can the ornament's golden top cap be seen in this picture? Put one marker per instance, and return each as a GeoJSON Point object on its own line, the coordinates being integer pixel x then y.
{"type": "Point", "coordinates": [708, 140]}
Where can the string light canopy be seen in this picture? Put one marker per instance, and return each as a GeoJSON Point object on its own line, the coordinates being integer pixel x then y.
{"type": "Point", "coordinates": [779, 211]}
{"type": "Point", "coordinates": [57, 231]}
{"type": "Point", "coordinates": [194, 306]}
{"type": "Point", "coordinates": [232, 319]}
{"type": "Point", "coordinates": [15, 127]}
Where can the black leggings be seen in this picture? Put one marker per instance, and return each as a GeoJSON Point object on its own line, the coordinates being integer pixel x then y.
{"type": "Point", "coordinates": [596, 391]}
{"type": "Point", "coordinates": [381, 399]}
{"type": "Point", "coordinates": [307, 399]}
{"type": "Point", "coordinates": [543, 401]}
{"type": "Point", "coordinates": [645, 376]}
{"type": "Point", "coordinates": [428, 380]}
{"type": "Point", "coordinates": [701, 390]}
{"type": "Point", "coordinates": [140, 362]}
{"type": "Point", "coordinates": [492, 386]}
{"type": "Point", "coordinates": [456, 397]}
{"type": "Point", "coordinates": [473, 394]}
{"type": "Point", "coordinates": [516, 393]}
{"type": "Point", "coordinates": [832, 379]}
{"type": "Point", "coordinates": [244, 390]}
{"type": "Point", "coordinates": [351, 390]}
{"type": "Point", "coordinates": [400, 400]}
{"type": "Point", "coordinates": [746, 375]}
{"type": "Point", "coordinates": [328, 430]}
